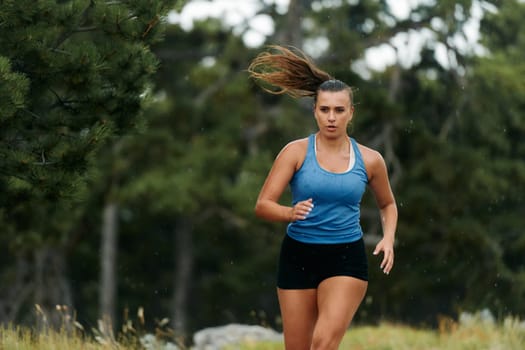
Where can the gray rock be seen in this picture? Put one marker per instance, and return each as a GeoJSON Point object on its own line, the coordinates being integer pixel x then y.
{"type": "Point", "coordinates": [483, 317]}
{"type": "Point", "coordinates": [216, 338]}
{"type": "Point", "coordinates": [150, 342]}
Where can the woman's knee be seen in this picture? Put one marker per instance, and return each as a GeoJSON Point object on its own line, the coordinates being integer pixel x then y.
{"type": "Point", "coordinates": [327, 337]}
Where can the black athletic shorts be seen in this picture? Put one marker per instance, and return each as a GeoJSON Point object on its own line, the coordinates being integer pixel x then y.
{"type": "Point", "coordinates": [306, 265]}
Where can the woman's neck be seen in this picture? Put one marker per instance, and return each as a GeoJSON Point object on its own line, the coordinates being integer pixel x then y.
{"type": "Point", "coordinates": [337, 144]}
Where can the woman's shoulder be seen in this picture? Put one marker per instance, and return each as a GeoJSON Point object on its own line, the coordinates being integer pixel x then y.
{"type": "Point", "coordinates": [372, 159]}
{"type": "Point", "coordinates": [298, 145]}
{"type": "Point", "coordinates": [368, 153]}
{"type": "Point", "coordinates": [295, 152]}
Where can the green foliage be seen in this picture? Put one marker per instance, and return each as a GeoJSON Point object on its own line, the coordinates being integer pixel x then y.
{"type": "Point", "coordinates": [74, 76]}
{"type": "Point", "coordinates": [75, 72]}
{"type": "Point", "coordinates": [13, 89]}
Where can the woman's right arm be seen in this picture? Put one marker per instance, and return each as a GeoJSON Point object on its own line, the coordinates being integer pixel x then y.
{"type": "Point", "coordinates": [283, 169]}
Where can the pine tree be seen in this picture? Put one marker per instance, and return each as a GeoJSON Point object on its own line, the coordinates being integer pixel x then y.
{"type": "Point", "coordinates": [73, 77]}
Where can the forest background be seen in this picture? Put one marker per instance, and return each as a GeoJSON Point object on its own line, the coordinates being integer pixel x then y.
{"type": "Point", "coordinates": [132, 151]}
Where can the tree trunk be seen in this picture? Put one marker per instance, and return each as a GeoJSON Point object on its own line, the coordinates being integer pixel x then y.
{"type": "Point", "coordinates": [52, 292]}
{"type": "Point", "coordinates": [108, 262]}
{"type": "Point", "coordinates": [16, 289]}
{"type": "Point", "coordinates": [292, 34]}
{"type": "Point", "coordinates": [183, 271]}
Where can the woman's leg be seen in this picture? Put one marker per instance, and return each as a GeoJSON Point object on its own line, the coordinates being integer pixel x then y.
{"type": "Point", "coordinates": [338, 299]}
{"type": "Point", "coordinates": [299, 314]}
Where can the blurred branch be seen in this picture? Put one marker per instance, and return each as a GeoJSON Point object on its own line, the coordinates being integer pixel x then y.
{"type": "Point", "coordinates": [201, 99]}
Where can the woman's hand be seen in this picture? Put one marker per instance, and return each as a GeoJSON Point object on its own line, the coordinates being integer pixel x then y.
{"type": "Point", "coordinates": [387, 247]}
{"type": "Point", "coordinates": [301, 210]}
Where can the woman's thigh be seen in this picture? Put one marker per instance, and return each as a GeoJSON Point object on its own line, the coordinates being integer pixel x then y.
{"type": "Point", "coordinates": [299, 315]}
{"type": "Point", "coordinates": [338, 299]}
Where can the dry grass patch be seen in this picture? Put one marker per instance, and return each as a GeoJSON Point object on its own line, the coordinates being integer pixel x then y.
{"type": "Point", "coordinates": [473, 334]}
{"type": "Point", "coordinates": [451, 335]}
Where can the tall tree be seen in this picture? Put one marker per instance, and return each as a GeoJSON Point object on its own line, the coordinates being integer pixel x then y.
{"type": "Point", "coordinates": [197, 140]}
{"type": "Point", "coordinates": [73, 74]}
{"type": "Point", "coordinates": [446, 141]}
{"type": "Point", "coordinates": [493, 125]}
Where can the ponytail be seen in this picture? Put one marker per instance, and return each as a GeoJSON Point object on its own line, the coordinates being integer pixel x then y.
{"type": "Point", "coordinates": [288, 72]}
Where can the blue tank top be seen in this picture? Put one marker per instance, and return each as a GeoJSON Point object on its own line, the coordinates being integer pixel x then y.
{"type": "Point", "coordinates": [335, 217]}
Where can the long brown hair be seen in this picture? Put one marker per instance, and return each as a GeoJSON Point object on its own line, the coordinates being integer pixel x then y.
{"type": "Point", "coordinates": [293, 73]}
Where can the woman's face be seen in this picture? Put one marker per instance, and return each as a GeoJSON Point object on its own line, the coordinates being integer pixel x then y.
{"type": "Point", "coordinates": [333, 111]}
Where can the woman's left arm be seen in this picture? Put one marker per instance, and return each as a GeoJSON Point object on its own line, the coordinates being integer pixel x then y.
{"type": "Point", "coordinates": [380, 185]}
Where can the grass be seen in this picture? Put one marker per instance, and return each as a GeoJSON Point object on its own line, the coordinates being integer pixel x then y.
{"type": "Point", "coordinates": [476, 334]}
{"type": "Point", "coordinates": [71, 335]}
{"type": "Point", "coordinates": [507, 336]}
{"type": "Point", "coordinates": [24, 339]}
{"type": "Point", "coordinates": [21, 338]}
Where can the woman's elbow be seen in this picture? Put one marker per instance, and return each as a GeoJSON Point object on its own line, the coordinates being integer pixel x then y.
{"type": "Point", "coordinates": [258, 209]}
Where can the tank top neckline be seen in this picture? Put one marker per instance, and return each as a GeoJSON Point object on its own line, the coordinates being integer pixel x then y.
{"type": "Point", "coordinates": [351, 165]}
